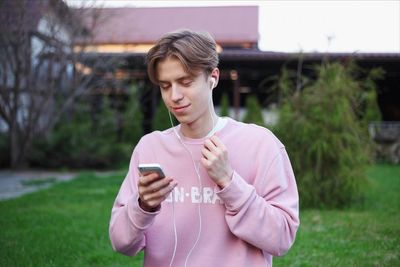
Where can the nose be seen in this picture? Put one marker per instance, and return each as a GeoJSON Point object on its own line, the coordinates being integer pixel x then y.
{"type": "Point", "coordinates": [176, 94]}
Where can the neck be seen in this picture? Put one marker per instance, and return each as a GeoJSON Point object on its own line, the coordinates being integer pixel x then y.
{"type": "Point", "coordinates": [201, 127]}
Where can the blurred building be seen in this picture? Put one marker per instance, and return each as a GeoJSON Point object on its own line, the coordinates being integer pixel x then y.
{"type": "Point", "coordinates": [134, 30]}
{"type": "Point", "coordinates": [128, 33]}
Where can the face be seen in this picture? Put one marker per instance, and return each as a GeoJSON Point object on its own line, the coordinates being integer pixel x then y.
{"type": "Point", "coordinates": [188, 97]}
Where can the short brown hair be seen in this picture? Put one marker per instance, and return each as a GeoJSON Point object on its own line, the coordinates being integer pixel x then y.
{"type": "Point", "coordinates": [197, 51]}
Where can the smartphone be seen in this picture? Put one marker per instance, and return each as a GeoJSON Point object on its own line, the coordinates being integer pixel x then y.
{"type": "Point", "coordinates": [145, 169]}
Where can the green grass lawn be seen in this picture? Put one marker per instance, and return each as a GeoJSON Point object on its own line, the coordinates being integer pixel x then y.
{"type": "Point", "coordinates": [67, 225]}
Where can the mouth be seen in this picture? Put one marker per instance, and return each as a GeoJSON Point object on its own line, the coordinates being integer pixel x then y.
{"type": "Point", "coordinates": [180, 108]}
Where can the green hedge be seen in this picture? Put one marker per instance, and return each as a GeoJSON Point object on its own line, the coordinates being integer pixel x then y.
{"type": "Point", "coordinates": [88, 139]}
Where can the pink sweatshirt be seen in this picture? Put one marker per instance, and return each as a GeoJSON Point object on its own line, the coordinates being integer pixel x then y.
{"type": "Point", "coordinates": [255, 217]}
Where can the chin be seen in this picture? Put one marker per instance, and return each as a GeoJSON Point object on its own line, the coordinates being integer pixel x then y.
{"type": "Point", "coordinates": [184, 120]}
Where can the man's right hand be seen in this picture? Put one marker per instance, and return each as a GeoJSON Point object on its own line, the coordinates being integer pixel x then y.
{"type": "Point", "coordinates": [153, 191]}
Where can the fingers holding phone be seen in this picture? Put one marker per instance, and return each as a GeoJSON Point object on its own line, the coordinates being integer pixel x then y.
{"type": "Point", "coordinates": [153, 186]}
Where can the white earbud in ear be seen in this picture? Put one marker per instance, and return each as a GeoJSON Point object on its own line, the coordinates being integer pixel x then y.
{"type": "Point", "coordinates": [213, 83]}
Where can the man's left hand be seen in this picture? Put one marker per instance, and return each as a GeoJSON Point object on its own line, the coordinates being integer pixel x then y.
{"type": "Point", "coordinates": [215, 161]}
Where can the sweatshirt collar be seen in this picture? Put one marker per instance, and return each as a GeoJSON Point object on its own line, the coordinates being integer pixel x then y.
{"type": "Point", "coordinates": [221, 123]}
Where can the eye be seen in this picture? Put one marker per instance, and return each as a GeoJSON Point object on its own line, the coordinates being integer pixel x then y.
{"type": "Point", "coordinates": [187, 82]}
{"type": "Point", "coordinates": [164, 86]}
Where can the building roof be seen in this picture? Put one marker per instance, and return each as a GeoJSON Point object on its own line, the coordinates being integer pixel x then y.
{"type": "Point", "coordinates": [228, 24]}
{"type": "Point", "coordinates": [256, 55]}
{"type": "Point", "coordinates": [252, 55]}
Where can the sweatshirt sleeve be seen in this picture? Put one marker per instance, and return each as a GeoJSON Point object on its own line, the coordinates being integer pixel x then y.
{"type": "Point", "coordinates": [264, 214]}
{"type": "Point", "coordinates": [128, 221]}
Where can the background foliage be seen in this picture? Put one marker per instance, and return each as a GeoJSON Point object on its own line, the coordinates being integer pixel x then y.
{"type": "Point", "coordinates": [253, 111]}
{"type": "Point", "coordinates": [161, 120]}
{"type": "Point", "coordinates": [224, 106]}
{"type": "Point", "coordinates": [87, 138]}
{"type": "Point", "coordinates": [323, 127]}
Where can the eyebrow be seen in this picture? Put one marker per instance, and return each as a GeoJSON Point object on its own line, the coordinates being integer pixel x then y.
{"type": "Point", "coordinates": [180, 78]}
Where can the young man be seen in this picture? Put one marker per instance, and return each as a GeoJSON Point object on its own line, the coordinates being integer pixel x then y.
{"type": "Point", "coordinates": [229, 197]}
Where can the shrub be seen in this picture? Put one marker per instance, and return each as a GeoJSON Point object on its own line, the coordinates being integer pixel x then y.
{"type": "Point", "coordinates": [322, 129]}
{"type": "Point", "coordinates": [79, 143]}
{"type": "Point", "coordinates": [253, 111]}
{"type": "Point", "coordinates": [132, 129]}
{"type": "Point", "coordinates": [88, 139]}
{"type": "Point", "coordinates": [224, 106]}
{"type": "Point", "coordinates": [161, 119]}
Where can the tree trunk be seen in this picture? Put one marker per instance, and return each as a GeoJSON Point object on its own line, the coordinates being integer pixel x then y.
{"type": "Point", "coordinates": [17, 148]}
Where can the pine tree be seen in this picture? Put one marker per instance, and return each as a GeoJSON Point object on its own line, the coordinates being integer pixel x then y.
{"type": "Point", "coordinates": [224, 111]}
{"type": "Point", "coordinates": [322, 129]}
{"type": "Point", "coordinates": [253, 111]}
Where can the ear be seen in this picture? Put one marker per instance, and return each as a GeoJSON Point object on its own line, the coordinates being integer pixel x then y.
{"type": "Point", "coordinates": [214, 78]}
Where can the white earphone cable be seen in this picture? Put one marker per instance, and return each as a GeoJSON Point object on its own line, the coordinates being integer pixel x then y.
{"type": "Point", "coordinates": [175, 232]}
{"type": "Point", "coordinates": [196, 168]}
